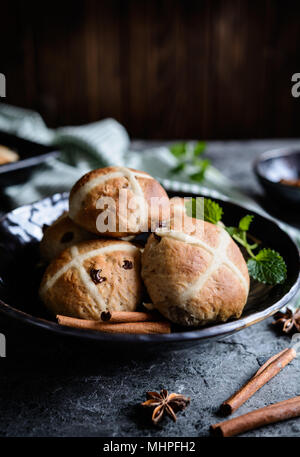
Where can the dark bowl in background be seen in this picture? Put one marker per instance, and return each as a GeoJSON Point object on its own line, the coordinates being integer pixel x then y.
{"type": "Point", "coordinates": [31, 154]}
{"type": "Point", "coordinates": [277, 164]}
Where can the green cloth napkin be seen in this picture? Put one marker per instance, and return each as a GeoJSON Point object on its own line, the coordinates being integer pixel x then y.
{"type": "Point", "coordinates": [100, 144]}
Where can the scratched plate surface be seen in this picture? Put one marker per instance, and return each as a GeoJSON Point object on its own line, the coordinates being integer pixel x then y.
{"type": "Point", "coordinates": [21, 272]}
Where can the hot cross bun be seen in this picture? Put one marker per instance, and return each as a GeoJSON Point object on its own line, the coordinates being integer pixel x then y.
{"type": "Point", "coordinates": [195, 278]}
{"type": "Point", "coordinates": [91, 277]}
{"type": "Point", "coordinates": [60, 235]}
{"type": "Point", "coordinates": [141, 209]}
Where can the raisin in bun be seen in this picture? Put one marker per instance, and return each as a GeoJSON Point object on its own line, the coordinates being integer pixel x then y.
{"type": "Point", "coordinates": [62, 234]}
{"type": "Point", "coordinates": [7, 155]}
{"type": "Point", "coordinates": [91, 277]}
{"type": "Point", "coordinates": [139, 187]}
{"type": "Point", "coordinates": [195, 277]}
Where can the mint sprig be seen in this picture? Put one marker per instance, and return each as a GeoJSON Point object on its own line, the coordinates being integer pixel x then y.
{"type": "Point", "coordinates": [190, 160]}
{"type": "Point", "coordinates": [202, 166]}
{"type": "Point", "coordinates": [212, 211]}
{"type": "Point", "coordinates": [266, 266]}
{"type": "Point", "coordinates": [178, 149]}
{"type": "Point", "coordinates": [204, 208]}
{"type": "Point", "coordinates": [245, 222]}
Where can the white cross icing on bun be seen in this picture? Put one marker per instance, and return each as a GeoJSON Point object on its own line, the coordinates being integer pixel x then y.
{"type": "Point", "coordinates": [109, 182]}
{"type": "Point", "coordinates": [92, 277]}
{"type": "Point", "coordinates": [195, 278]}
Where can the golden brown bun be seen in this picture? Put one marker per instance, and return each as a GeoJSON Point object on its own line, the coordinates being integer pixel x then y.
{"type": "Point", "coordinates": [7, 155]}
{"type": "Point", "coordinates": [62, 234]}
{"type": "Point", "coordinates": [91, 277]}
{"type": "Point", "coordinates": [196, 281]}
{"type": "Point", "coordinates": [107, 182]}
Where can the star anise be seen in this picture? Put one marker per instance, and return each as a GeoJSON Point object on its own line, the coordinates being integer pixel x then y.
{"type": "Point", "coordinates": [164, 402]}
{"type": "Point", "coordinates": [288, 321]}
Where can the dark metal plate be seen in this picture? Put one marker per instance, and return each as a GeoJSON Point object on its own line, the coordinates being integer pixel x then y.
{"type": "Point", "coordinates": [21, 230]}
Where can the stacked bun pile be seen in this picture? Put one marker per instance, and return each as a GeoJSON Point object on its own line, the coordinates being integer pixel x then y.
{"type": "Point", "coordinates": [193, 275]}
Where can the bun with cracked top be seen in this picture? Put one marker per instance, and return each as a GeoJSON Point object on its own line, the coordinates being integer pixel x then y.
{"type": "Point", "coordinates": [89, 212]}
{"type": "Point", "coordinates": [195, 277]}
{"type": "Point", "coordinates": [91, 277]}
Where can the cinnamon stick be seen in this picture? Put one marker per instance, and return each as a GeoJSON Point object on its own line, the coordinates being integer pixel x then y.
{"type": "Point", "coordinates": [270, 369]}
{"type": "Point", "coordinates": [136, 328]}
{"type": "Point", "coordinates": [127, 316]}
{"type": "Point", "coordinates": [268, 415]}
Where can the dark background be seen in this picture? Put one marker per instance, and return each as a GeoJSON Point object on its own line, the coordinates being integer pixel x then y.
{"type": "Point", "coordinates": [165, 69]}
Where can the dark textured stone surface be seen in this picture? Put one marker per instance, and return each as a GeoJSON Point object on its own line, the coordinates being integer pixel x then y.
{"type": "Point", "coordinates": [48, 388]}
{"type": "Point", "coordinates": [60, 392]}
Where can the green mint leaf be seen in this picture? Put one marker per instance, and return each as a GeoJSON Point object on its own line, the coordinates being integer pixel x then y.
{"type": "Point", "coordinates": [178, 149]}
{"type": "Point", "coordinates": [245, 222]}
{"type": "Point", "coordinates": [199, 148]}
{"type": "Point", "coordinates": [212, 211]}
{"type": "Point", "coordinates": [231, 230]}
{"type": "Point", "coordinates": [267, 267]}
{"type": "Point", "coordinates": [180, 167]}
{"type": "Point", "coordinates": [199, 175]}
{"type": "Point", "coordinates": [194, 208]}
